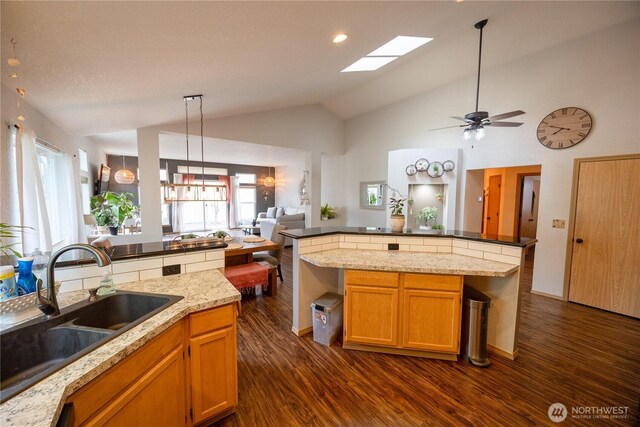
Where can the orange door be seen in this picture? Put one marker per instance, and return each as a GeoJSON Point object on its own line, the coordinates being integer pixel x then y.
{"type": "Point", "coordinates": [493, 209]}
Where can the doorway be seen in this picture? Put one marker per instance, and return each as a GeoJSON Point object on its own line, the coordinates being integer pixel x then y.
{"type": "Point", "coordinates": [603, 249]}
{"type": "Point", "coordinates": [529, 197]}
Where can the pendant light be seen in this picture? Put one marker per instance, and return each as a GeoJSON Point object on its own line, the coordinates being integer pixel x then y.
{"type": "Point", "coordinates": [124, 175]}
{"type": "Point", "coordinates": [14, 62]}
{"type": "Point", "coordinates": [269, 181]}
{"type": "Point", "coordinates": [199, 192]}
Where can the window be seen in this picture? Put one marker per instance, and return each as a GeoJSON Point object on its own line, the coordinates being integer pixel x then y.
{"type": "Point", "coordinates": [85, 181]}
{"type": "Point", "coordinates": [198, 215]}
{"type": "Point", "coordinates": [246, 200]}
{"type": "Point", "coordinates": [54, 174]}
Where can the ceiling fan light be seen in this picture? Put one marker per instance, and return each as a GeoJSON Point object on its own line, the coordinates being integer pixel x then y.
{"type": "Point", "coordinates": [466, 135]}
{"type": "Point", "coordinates": [479, 134]}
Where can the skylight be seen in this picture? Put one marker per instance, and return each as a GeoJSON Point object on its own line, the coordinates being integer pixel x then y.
{"type": "Point", "coordinates": [400, 46]}
{"type": "Point", "coordinates": [369, 64]}
{"type": "Point", "coordinates": [386, 53]}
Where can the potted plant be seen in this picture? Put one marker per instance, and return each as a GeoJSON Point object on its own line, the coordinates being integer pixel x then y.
{"type": "Point", "coordinates": [221, 234]}
{"type": "Point", "coordinates": [397, 216]}
{"type": "Point", "coordinates": [327, 212]}
{"type": "Point", "coordinates": [427, 214]}
{"type": "Point", "coordinates": [119, 203]}
{"type": "Point", "coordinates": [9, 232]}
{"type": "Point", "coordinates": [254, 221]}
{"type": "Point", "coordinates": [437, 227]}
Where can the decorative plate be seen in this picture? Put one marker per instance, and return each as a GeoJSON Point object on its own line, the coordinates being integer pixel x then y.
{"type": "Point", "coordinates": [435, 170]}
{"type": "Point", "coordinates": [234, 246]}
{"type": "Point", "coordinates": [448, 166]}
{"type": "Point", "coordinates": [255, 239]}
{"type": "Point", "coordinates": [411, 170]}
{"type": "Point", "coordinates": [422, 165]}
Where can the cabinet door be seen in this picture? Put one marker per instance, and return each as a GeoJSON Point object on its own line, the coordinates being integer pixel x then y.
{"type": "Point", "coordinates": [371, 315]}
{"type": "Point", "coordinates": [213, 373]}
{"type": "Point", "coordinates": [156, 399]}
{"type": "Point", "coordinates": [431, 320]}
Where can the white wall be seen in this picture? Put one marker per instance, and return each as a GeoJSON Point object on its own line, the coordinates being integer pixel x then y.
{"type": "Point", "coordinates": [333, 189]}
{"type": "Point", "coordinates": [287, 181]}
{"type": "Point", "coordinates": [600, 73]}
{"type": "Point", "coordinates": [50, 132]}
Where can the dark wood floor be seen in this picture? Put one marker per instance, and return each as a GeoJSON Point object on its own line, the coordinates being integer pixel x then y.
{"type": "Point", "coordinates": [575, 355]}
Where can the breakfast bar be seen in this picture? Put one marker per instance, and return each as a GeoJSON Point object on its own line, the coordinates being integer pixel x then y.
{"type": "Point", "coordinates": [402, 267]}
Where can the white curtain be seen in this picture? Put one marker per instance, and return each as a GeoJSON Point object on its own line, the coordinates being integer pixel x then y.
{"type": "Point", "coordinates": [77, 226]}
{"type": "Point", "coordinates": [32, 207]}
{"type": "Point", "coordinates": [234, 206]}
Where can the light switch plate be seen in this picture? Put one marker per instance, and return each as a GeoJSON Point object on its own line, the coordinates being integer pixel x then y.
{"type": "Point", "coordinates": [558, 223]}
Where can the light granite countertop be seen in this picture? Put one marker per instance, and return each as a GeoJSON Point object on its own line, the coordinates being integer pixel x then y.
{"type": "Point", "coordinates": [409, 262]}
{"type": "Point", "coordinates": [40, 405]}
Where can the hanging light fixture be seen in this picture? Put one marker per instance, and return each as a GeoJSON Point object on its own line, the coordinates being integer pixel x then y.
{"type": "Point", "coordinates": [124, 175]}
{"type": "Point", "coordinates": [190, 192]}
{"type": "Point", "coordinates": [15, 63]}
{"type": "Point", "coordinates": [269, 181]}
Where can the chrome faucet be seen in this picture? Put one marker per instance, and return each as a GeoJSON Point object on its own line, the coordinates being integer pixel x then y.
{"type": "Point", "coordinates": [49, 305]}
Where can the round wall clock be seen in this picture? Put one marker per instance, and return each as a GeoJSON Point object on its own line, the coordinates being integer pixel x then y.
{"type": "Point", "coordinates": [411, 170]}
{"type": "Point", "coordinates": [564, 128]}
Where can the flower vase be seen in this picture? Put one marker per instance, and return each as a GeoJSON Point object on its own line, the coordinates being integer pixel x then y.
{"type": "Point", "coordinates": [26, 282]}
{"type": "Point", "coordinates": [113, 231]}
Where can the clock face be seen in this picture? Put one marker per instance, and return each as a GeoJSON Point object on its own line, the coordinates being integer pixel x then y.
{"type": "Point", "coordinates": [564, 128]}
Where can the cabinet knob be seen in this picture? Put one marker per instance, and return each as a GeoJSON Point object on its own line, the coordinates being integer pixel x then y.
{"type": "Point", "coordinates": [579, 240]}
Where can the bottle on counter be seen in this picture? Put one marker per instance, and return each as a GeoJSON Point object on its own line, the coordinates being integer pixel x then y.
{"type": "Point", "coordinates": [7, 282]}
{"type": "Point", "coordinates": [40, 262]}
{"type": "Point", "coordinates": [107, 281]}
{"type": "Point", "coordinates": [26, 282]}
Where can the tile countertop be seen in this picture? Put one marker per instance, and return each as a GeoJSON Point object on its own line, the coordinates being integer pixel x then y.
{"type": "Point", "coordinates": [409, 262]}
{"type": "Point", "coordinates": [376, 231]}
{"type": "Point", "coordinates": [40, 405]}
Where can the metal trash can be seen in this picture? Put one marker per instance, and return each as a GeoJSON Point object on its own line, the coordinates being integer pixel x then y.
{"type": "Point", "coordinates": [475, 315]}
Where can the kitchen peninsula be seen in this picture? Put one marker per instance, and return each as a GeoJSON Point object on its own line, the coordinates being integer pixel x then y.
{"type": "Point", "coordinates": [390, 272]}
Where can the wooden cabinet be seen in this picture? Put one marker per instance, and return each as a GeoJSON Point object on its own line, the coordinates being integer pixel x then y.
{"type": "Point", "coordinates": [145, 389]}
{"type": "Point", "coordinates": [214, 385]}
{"type": "Point", "coordinates": [403, 311]}
{"type": "Point", "coordinates": [184, 376]}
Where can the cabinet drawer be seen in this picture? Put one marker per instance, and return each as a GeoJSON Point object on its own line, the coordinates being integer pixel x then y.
{"type": "Point", "coordinates": [212, 319]}
{"type": "Point", "coordinates": [371, 278]}
{"type": "Point", "coordinates": [434, 282]}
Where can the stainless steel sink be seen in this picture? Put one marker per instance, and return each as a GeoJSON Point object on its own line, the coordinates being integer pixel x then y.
{"type": "Point", "coordinates": [38, 348]}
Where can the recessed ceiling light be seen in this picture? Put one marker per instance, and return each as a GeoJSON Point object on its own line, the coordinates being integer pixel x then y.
{"type": "Point", "coordinates": [369, 64]}
{"type": "Point", "coordinates": [400, 46]}
{"type": "Point", "coordinates": [339, 38]}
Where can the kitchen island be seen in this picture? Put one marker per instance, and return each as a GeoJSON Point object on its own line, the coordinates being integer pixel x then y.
{"type": "Point", "coordinates": [491, 264]}
{"type": "Point", "coordinates": [204, 295]}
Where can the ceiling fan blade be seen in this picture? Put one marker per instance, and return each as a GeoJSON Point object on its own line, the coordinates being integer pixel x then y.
{"type": "Point", "coordinates": [448, 127]}
{"type": "Point", "coordinates": [462, 119]}
{"type": "Point", "coordinates": [506, 115]}
{"type": "Point", "coordinates": [504, 124]}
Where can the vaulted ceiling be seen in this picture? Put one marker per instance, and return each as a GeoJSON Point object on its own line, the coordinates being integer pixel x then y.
{"type": "Point", "coordinates": [97, 67]}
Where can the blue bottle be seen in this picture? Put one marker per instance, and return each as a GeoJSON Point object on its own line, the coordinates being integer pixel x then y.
{"type": "Point", "coordinates": [26, 282]}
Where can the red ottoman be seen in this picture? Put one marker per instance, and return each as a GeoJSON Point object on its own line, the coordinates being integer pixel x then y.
{"type": "Point", "coordinates": [245, 277]}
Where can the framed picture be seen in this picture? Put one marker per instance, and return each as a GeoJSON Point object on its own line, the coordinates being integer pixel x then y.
{"type": "Point", "coordinates": [372, 195]}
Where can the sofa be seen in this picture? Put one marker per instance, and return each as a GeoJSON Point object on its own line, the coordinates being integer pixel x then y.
{"type": "Point", "coordinates": [291, 218]}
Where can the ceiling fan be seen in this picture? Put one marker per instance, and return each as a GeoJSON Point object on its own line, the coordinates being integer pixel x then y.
{"type": "Point", "coordinates": [476, 121]}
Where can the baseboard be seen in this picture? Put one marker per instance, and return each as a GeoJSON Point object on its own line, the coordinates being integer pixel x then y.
{"type": "Point", "coordinates": [499, 352]}
{"type": "Point", "coordinates": [400, 351]}
{"type": "Point", "coordinates": [303, 331]}
{"type": "Point", "coordinates": [544, 294]}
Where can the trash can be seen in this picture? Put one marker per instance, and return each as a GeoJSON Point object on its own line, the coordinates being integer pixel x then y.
{"type": "Point", "coordinates": [475, 315]}
{"type": "Point", "coordinates": [326, 312]}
